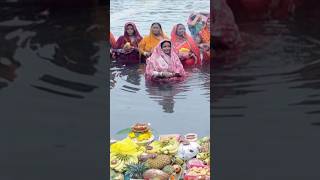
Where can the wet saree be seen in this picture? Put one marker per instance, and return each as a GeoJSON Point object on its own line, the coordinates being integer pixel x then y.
{"type": "Point", "coordinates": [205, 38]}
{"type": "Point", "coordinates": [161, 62]}
{"type": "Point", "coordinates": [112, 40]}
{"type": "Point", "coordinates": [131, 57]}
{"type": "Point", "coordinates": [185, 44]}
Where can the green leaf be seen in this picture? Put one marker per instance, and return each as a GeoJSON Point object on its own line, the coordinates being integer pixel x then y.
{"type": "Point", "coordinates": [124, 131]}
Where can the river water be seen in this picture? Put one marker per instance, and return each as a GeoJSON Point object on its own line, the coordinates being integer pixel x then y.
{"type": "Point", "coordinates": [52, 78]}
{"type": "Point", "coordinates": [177, 108]}
{"type": "Point", "coordinates": [266, 105]}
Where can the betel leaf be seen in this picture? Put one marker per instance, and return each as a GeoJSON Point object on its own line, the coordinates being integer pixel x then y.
{"type": "Point", "coordinates": [124, 131]}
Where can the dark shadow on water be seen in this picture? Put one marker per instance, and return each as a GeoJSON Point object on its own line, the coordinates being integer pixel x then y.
{"type": "Point", "coordinates": [56, 38]}
{"type": "Point", "coordinates": [53, 89]}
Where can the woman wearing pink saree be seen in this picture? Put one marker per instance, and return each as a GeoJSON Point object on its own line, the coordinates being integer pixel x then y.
{"type": "Point", "coordinates": [164, 63]}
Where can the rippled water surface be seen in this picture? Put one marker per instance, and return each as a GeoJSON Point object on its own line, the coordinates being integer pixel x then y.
{"type": "Point", "coordinates": [267, 104]}
{"type": "Point", "coordinates": [52, 66]}
{"type": "Point", "coordinates": [170, 108]}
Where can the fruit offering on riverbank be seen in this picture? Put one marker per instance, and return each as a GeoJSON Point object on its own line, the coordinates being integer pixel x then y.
{"type": "Point", "coordinates": [172, 156]}
{"type": "Point", "coordinates": [141, 133]}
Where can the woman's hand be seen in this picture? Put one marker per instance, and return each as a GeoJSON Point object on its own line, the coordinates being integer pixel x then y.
{"type": "Point", "coordinates": [167, 74]}
{"type": "Point", "coordinates": [183, 56]}
{"type": "Point", "coordinates": [113, 55]}
{"type": "Point", "coordinates": [206, 47]}
{"type": "Point", "coordinates": [195, 58]}
{"type": "Point", "coordinates": [127, 50]}
{"type": "Point", "coordinates": [136, 49]}
{"type": "Point", "coordinates": [147, 54]}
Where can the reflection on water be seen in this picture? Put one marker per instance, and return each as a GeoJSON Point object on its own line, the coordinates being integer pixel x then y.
{"type": "Point", "coordinates": [266, 105]}
{"type": "Point", "coordinates": [166, 106]}
{"type": "Point", "coordinates": [170, 108]}
{"type": "Point", "coordinates": [290, 62]}
{"type": "Point", "coordinates": [53, 41]}
{"type": "Point", "coordinates": [52, 78]}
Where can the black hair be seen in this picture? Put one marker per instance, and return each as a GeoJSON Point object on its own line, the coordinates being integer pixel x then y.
{"type": "Point", "coordinates": [164, 42]}
{"type": "Point", "coordinates": [180, 25]}
{"type": "Point", "coordinates": [177, 27]}
{"type": "Point", "coordinates": [157, 24]}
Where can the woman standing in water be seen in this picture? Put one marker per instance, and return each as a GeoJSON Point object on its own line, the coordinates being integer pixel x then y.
{"type": "Point", "coordinates": [164, 62]}
{"type": "Point", "coordinates": [149, 42]}
{"type": "Point", "coordinates": [185, 46]}
{"type": "Point", "coordinates": [196, 21]}
{"type": "Point", "coordinates": [126, 47]}
{"type": "Point", "coordinates": [112, 40]}
{"type": "Point", "coordinates": [203, 40]}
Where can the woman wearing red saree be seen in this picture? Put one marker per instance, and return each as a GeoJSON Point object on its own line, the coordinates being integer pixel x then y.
{"type": "Point", "coordinates": [185, 46]}
{"type": "Point", "coordinates": [126, 47]}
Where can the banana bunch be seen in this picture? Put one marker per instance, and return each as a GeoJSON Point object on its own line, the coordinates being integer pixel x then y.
{"type": "Point", "coordinates": [141, 149]}
{"type": "Point", "coordinates": [119, 164]}
{"type": "Point", "coordinates": [170, 147]}
{"type": "Point", "coordinates": [154, 147]}
{"type": "Point", "coordinates": [204, 156]}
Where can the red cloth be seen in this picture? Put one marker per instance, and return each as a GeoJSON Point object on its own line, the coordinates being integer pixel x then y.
{"type": "Point", "coordinates": [189, 43]}
{"type": "Point", "coordinates": [125, 38]}
{"type": "Point", "coordinates": [133, 57]}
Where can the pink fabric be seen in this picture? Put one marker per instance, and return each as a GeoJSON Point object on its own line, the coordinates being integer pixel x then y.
{"type": "Point", "coordinates": [160, 62]}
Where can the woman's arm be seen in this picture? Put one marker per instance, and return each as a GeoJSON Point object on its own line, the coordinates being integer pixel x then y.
{"type": "Point", "coordinates": [194, 22]}
{"type": "Point", "coordinates": [142, 46]}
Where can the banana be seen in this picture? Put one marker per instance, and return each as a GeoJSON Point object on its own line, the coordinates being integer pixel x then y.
{"type": "Point", "coordinates": [171, 148]}
{"type": "Point", "coordinates": [120, 166]}
{"type": "Point", "coordinates": [155, 147]}
{"type": "Point", "coordinates": [173, 151]}
{"type": "Point", "coordinates": [132, 159]}
{"type": "Point", "coordinates": [112, 166]}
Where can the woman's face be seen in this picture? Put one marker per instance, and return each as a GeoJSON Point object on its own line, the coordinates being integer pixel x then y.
{"type": "Point", "coordinates": [181, 30]}
{"type": "Point", "coordinates": [166, 47]}
{"type": "Point", "coordinates": [130, 30]}
{"type": "Point", "coordinates": [156, 29]}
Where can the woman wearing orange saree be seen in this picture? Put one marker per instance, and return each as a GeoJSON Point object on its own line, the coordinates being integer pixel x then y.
{"type": "Point", "coordinates": [204, 36]}
{"type": "Point", "coordinates": [112, 40]}
{"type": "Point", "coordinates": [148, 43]}
{"type": "Point", "coordinates": [185, 46]}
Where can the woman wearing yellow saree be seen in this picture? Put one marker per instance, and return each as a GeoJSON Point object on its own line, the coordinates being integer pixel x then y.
{"type": "Point", "coordinates": [148, 43]}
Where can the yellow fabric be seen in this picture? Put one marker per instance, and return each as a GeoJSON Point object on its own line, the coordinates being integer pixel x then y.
{"type": "Point", "coordinates": [151, 41]}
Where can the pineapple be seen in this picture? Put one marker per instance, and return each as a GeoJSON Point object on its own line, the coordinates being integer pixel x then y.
{"type": "Point", "coordinates": [159, 162]}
